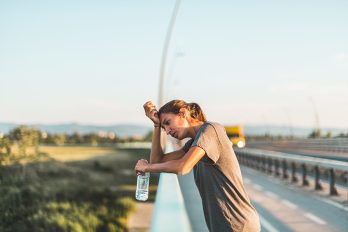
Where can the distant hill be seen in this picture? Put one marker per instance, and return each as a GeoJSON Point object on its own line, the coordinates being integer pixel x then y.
{"type": "Point", "coordinates": [127, 130]}
{"type": "Point", "coordinates": [121, 130]}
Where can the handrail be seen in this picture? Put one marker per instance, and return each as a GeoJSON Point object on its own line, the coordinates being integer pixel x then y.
{"type": "Point", "coordinates": [170, 212]}
{"type": "Point", "coordinates": [272, 161]}
{"type": "Point", "coordinates": [326, 144]}
{"type": "Point", "coordinates": [325, 163]}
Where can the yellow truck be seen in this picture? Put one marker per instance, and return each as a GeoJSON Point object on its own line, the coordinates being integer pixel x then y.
{"type": "Point", "coordinates": [236, 135]}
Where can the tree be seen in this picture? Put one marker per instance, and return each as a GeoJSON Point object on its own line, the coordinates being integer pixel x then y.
{"type": "Point", "coordinates": [328, 134]}
{"type": "Point", "coordinates": [315, 134]}
{"type": "Point", "coordinates": [59, 139]}
{"type": "Point", "coordinates": [25, 137]}
{"type": "Point", "coordinates": [5, 143]}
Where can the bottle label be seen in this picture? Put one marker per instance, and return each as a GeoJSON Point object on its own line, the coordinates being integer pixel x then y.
{"type": "Point", "coordinates": [143, 184]}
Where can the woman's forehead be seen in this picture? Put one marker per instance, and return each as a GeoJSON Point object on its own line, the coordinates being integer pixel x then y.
{"type": "Point", "coordinates": [166, 116]}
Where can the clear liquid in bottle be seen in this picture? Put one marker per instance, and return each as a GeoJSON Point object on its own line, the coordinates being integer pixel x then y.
{"type": "Point", "coordinates": [142, 191]}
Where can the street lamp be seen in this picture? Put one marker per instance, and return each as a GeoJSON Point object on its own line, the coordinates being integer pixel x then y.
{"type": "Point", "coordinates": [164, 53]}
{"type": "Point", "coordinates": [316, 132]}
{"type": "Point", "coordinates": [171, 68]}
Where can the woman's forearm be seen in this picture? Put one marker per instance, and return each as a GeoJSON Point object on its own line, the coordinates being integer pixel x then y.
{"type": "Point", "coordinates": [172, 166]}
{"type": "Point", "coordinates": [156, 154]}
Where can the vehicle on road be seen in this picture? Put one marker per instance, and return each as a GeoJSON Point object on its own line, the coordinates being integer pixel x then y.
{"type": "Point", "coordinates": [236, 135]}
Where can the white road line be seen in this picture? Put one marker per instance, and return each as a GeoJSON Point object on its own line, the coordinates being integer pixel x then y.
{"type": "Point", "coordinates": [267, 225]}
{"type": "Point", "coordinates": [247, 180]}
{"type": "Point", "coordinates": [257, 187]}
{"type": "Point", "coordinates": [289, 204]}
{"type": "Point", "coordinates": [272, 195]}
{"type": "Point", "coordinates": [315, 218]}
{"type": "Point", "coordinates": [338, 205]}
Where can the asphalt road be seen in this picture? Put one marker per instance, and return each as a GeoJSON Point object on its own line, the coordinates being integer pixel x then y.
{"type": "Point", "coordinates": [282, 207]}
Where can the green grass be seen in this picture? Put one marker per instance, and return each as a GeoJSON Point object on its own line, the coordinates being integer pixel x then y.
{"type": "Point", "coordinates": [80, 189]}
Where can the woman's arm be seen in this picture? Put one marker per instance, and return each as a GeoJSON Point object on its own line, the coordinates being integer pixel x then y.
{"type": "Point", "coordinates": [180, 166]}
{"type": "Point", "coordinates": [156, 154]}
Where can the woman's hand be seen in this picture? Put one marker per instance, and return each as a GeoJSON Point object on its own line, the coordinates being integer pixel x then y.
{"type": "Point", "coordinates": [141, 166]}
{"type": "Point", "coordinates": [151, 113]}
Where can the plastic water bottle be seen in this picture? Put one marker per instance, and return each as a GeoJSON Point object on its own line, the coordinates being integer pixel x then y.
{"type": "Point", "coordinates": [142, 192]}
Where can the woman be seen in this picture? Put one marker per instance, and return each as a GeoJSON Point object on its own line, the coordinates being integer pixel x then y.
{"type": "Point", "coordinates": [209, 153]}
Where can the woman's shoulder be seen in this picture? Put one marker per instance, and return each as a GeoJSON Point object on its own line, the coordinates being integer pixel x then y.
{"type": "Point", "coordinates": [217, 127]}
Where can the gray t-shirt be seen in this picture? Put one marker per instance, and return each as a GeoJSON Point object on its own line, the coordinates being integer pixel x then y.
{"type": "Point", "coordinates": [226, 204]}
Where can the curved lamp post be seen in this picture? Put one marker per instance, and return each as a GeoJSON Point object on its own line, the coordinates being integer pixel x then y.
{"type": "Point", "coordinates": [164, 53]}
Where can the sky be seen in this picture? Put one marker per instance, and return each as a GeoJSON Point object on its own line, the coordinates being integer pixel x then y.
{"type": "Point", "coordinates": [244, 62]}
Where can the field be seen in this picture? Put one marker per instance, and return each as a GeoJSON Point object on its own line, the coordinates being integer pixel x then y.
{"type": "Point", "coordinates": [71, 189]}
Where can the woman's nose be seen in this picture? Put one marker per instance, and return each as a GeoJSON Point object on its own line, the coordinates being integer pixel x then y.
{"type": "Point", "coordinates": [167, 130]}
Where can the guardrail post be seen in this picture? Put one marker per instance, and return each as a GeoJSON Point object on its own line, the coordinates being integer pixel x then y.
{"type": "Point", "coordinates": [293, 172]}
{"type": "Point", "coordinates": [269, 165]}
{"type": "Point", "coordinates": [277, 167]}
{"type": "Point", "coordinates": [260, 164]}
{"type": "Point", "coordinates": [317, 179]}
{"type": "Point", "coordinates": [247, 160]}
{"type": "Point", "coordinates": [264, 164]}
{"type": "Point", "coordinates": [304, 175]}
{"type": "Point", "coordinates": [333, 190]}
{"type": "Point", "coordinates": [257, 163]}
{"type": "Point", "coordinates": [285, 169]}
{"type": "Point", "coordinates": [251, 161]}
{"type": "Point", "coordinates": [244, 158]}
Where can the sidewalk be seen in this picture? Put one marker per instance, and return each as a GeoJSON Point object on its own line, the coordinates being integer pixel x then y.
{"type": "Point", "coordinates": [140, 220]}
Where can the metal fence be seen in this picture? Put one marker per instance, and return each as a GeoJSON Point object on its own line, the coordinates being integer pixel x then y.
{"type": "Point", "coordinates": [324, 144]}
{"type": "Point", "coordinates": [288, 165]}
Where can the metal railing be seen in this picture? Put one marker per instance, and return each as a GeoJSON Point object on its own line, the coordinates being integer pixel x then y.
{"type": "Point", "coordinates": [279, 163]}
{"type": "Point", "coordinates": [133, 145]}
{"type": "Point", "coordinates": [169, 212]}
{"type": "Point", "coordinates": [324, 144]}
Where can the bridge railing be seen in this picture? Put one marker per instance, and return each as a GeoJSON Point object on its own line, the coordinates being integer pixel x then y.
{"type": "Point", "coordinates": [169, 212]}
{"type": "Point", "coordinates": [286, 166]}
{"type": "Point", "coordinates": [325, 144]}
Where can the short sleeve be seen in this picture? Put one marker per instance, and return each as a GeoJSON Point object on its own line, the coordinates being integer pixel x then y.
{"type": "Point", "coordinates": [187, 145]}
{"type": "Point", "coordinates": [208, 140]}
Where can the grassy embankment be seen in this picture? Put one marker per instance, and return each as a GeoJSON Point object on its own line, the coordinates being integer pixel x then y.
{"type": "Point", "coordinates": [70, 189]}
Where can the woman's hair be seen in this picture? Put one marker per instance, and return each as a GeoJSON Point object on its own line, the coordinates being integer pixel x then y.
{"type": "Point", "coordinates": [174, 107]}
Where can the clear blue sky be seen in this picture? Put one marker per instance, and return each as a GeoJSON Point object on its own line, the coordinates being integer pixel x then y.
{"type": "Point", "coordinates": [250, 62]}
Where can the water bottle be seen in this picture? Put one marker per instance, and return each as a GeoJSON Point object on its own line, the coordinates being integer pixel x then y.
{"type": "Point", "coordinates": [142, 192]}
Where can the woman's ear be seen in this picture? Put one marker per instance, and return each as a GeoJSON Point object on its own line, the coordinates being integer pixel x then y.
{"type": "Point", "coordinates": [182, 113]}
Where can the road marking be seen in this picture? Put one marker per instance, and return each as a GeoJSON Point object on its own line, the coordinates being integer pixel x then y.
{"type": "Point", "coordinates": [315, 218]}
{"type": "Point", "coordinates": [247, 180]}
{"type": "Point", "coordinates": [289, 204]}
{"type": "Point", "coordinates": [257, 187]}
{"type": "Point", "coordinates": [267, 225]}
{"type": "Point", "coordinates": [272, 195]}
{"type": "Point", "coordinates": [338, 205]}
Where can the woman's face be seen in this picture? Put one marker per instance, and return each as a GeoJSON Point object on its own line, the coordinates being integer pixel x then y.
{"type": "Point", "coordinates": [174, 124]}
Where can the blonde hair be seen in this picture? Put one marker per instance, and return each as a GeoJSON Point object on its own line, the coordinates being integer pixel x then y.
{"type": "Point", "coordinates": [174, 107]}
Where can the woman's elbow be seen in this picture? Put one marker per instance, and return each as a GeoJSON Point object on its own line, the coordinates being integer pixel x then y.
{"type": "Point", "coordinates": [183, 171]}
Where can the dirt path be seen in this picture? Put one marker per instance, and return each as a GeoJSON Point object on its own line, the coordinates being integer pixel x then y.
{"type": "Point", "coordinates": [140, 220]}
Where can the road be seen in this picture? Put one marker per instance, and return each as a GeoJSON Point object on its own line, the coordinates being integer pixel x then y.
{"type": "Point", "coordinates": [282, 207]}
